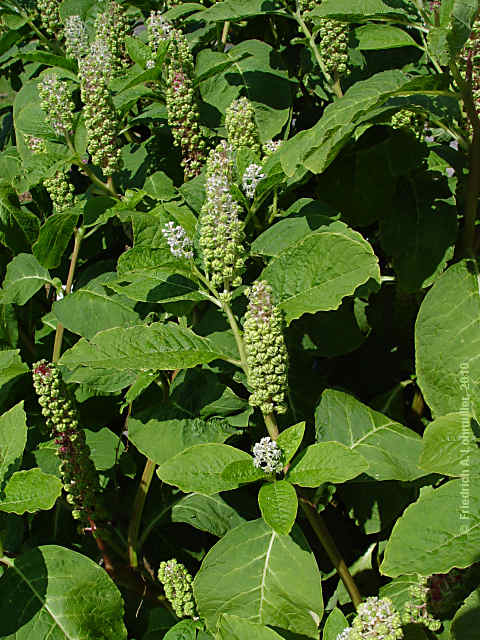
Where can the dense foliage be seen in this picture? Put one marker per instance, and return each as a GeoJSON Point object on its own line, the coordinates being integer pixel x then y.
{"type": "Point", "coordinates": [239, 320]}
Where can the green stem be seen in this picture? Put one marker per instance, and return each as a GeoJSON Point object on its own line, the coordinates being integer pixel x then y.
{"type": "Point", "coordinates": [106, 186]}
{"type": "Point", "coordinates": [226, 28]}
{"type": "Point", "coordinates": [237, 335]}
{"type": "Point", "coordinates": [57, 347]}
{"type": "Point", "coordinates": [271, 424]}
{"type": "Point", "coordinates": [142, 491]}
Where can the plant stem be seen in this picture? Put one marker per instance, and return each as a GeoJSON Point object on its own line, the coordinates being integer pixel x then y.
{"type": "Point", "coordinates": [57, 347]}
{"type": "Point", "coordinates": [226, 27]}
{"type": "Point", "coordinates": [138, 505]}
{"type": "Point", "coordinates": [271, 424]}
{"type": "Point", "coordinates": [320, 528]}
{"type": "Point", "coordinates": [237, 335]}
{"type": "Point", "coordinates": [106, 186]}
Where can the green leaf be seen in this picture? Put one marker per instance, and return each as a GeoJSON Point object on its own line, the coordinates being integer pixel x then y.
{"type": "Point", "coordinates": [355, 10]}
{"type": "Point", "coordinates": [326, 462]}
{"type": "Point", "coordinates": [200, 468]}
{"type": "Point", "coordinates": [183, 630]}
{"type": "Point", "coordinates": [438, 532]}
{"type": "Point", "coordinates": [234, 10]}
{"type": "Point", "coordinates": [156, 346]}
{"type": "Point", "coordinates": [334, 625]}
{"type": "Point", "coordinates": [278, 504]}
{"type": "Point", "coordinates": [161, 438]}
{"type": "Point", "coordinates": [207, 513]}
{"type": "Point", "coordinates": [105, 447]}
{"type": "Point", "coordinates": [13, 438]}
{"type": "Point", "coordinates": [449, 446]}
{"type": "Point", "coordinates": [18, 226]}
{"type": "Point", "coordinates": [290, 439]}
{"type": "Point", "coordinates": [138, 51]}
{"type": "Point", "coordinates": [159, 186]}
{"type": "Point", "coordinates": [382, 36]}
{"type": "Point", "coordinates": [242, 471]}
{"type": "Point", "coordinates": [88, 312]}
{"type": "Point", "coordinates": [53, 239]}
{"type": "Point", "coordinates": [30, 491]}
{"type": "Point", "coordinates": [254, 573]}
{"type": "Point", "coordinates": [462, 18]}
{"type": "Point", "coordinates": [161, 284]}
{"type": "Point", "coordinates": [317, 272]}
{"type": "Point", "coordinates": [49, 59]}
{"type": "Point", "coordinates": [447, 335]}
{"type": "Point", "coordinates": [53, 592]}
{"type": "Point", "coordinates": [11, 365]}
{"type": "Point", "coordinates": [75, 8]}
{"type": "Point", "coordinates": [467, 619]}
{"type": "Point", "coordinates": [236, 628]}
{"type": "Point", "coordinates": [391, 449]}
{"type": "Point", "coordinates": [25, 276]}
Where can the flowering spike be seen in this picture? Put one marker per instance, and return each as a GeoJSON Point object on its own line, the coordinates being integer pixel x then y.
{"type": "Point", "coordinates": [333, 46]}
{"type": "Point", "coordinates": [100, 118]}
{"type": "Point", "coordinates": [80, 479]}
{"type": "Point", "coordinates": [56, 103]}
{"type": "Point", "coordinates": [76, 37]}
{"type": "Point", "coordinates": [60, 190]}
{"type": "Point", "coordinates": [177, 583]}
{"type": "Point", "coordinates": [111, 28]}
{"type": "Point", "coordinates": [266, 351]}
{"type": "Point", "coordinates": [178, 241]}
{"type": "Point", "coordinates": [159, 30]}
{"type": "Point", "coordinates": [267, 456]}
{"type": "Point", "coordinates": [241, 126]}
{"type": "Point", "coordinates": [50, 16]}
{"type": "Point", "coordinates": [221, 230]}
{"type": "Point", "coordinates": [252, 176]}
{"type": "Point", "coordinates": [377, 619]}
{"type": "Point", "coordinates": [36, 145]}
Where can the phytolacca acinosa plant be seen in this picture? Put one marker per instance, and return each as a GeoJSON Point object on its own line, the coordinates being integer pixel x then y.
{"type": "Point", "coordinates": [267, 356]}
{"type": "Point", "coordinates": [376, 619]}
{"type": "Point", "coordinates": [111, 28]}
{"type": "Point", "coordinates": [55, 101]}
{"type": "Point", "coordinates": [241, 127]}
{"type": "Point", "coordinates": [177, 583]}
{"type": "Point", "coordinates": [101, 120]}
{"type": "Point", "coordinates": [79, 476]}
{"type": "Point", "coordinates": [49, 13]}
{"type": "Point", "coordinates": [60, 190]}
{"type": "Point", "coordinates": [76, 37]}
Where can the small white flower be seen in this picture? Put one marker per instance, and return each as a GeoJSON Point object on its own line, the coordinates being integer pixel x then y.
{"type": "Point", "coordinates": [178, 241]}
{"type": "Point", "coordinates": [267, 456]}
{"type": "Point", "coordinates": [271, 146]}
{"type": "Point", "coordinates": [61, 292]}
{"type": "Point", "coordinates": [252, 176]}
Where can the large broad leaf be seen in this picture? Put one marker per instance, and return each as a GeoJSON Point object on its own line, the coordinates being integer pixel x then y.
{"type": "Point", "coordinates": [25, 276]}
{"type": "Point", "coordinates": [18, 226]}
{"type": "Point", "coordinates": [278, 503]}
{"type": "Point", "coordinates": [13, 437]}
{"type": "Point", "coordinates": [162, 284]}
{"type": "Point", "coordinates": [317, 272]}
{"type": "Point", "coordinates": [354, 10]}
{"type": "Point", "coordinates": [88, 312]}
{"type": "Point", "coordinates": [236, 628]}
{"type": "Point", "coordinates": [438, 532]}
{"type": "Point", "coordinates": [11, 365]}
{"type": "Point", "coordinates": [259, 74]}
{"type": "Point", "coordinates": [460, 22]}
{"type": "Point", "coordinates": [334, 625]}
{"type": "Point", "coordinates": [466, 622]}
{"type": "Point", "coordinates": [256, 574]}
{"type": "Point", "coordinates": [326, 462]}
{"type": "Point", "coordinates": [30, 491]}
{"type": "Point", "coordinates": [449, 446]}
{"type": "Point", "coordinates": [447, 338]}
{"type": "Point", "coordinates": [207, 513]}
{"type": "Point", "coordinates": [234, 10]}
{"type": "Point", "coordinates": [382, 36]}
{"type": "Point", "coordinates": [158, 346]}
{"type": "Point", "coordinates": [199, 468]}
{"type": "Point", "coordinates": [54, 237]}
{"type": "Point", "coordinates": [53, 593]}
{"type": "Point", "coordinates": [391, 449]}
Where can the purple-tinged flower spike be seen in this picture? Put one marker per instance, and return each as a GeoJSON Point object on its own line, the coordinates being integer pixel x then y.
{"type": "Point", "coordinates": [79, 476]}
{"type": "Point", "coordinates": [159, 30]}
{"type": "Point", "coordinates": [241, 127]}
{"type": "Point", "coordinates": [60, 190]}
{"type": "Point", "coordinates": [221, 230]}
{"type": "Point", "coordinates": [377, 619]}
{"type": "Point", "coordinates": [101, 120]}
{"type": "Point", "coordinates": [178, 241]}
{"type": "Point", "coordinates": [76, 37]}
{"type": "Point", "coordinates": [50, 16]}
{"type": "Point", "coordinates": [267, 356]}
{"type": "Point", "coordinates": [267, 456]}
{"type": "Point", "coordinates": [252, 176]}
{"type": "Point", "coordinates": [177, 583]}
{"type": "Point", "coordinates": [56, 103]}
{"type": "Point", "coordinates": [111, 28]}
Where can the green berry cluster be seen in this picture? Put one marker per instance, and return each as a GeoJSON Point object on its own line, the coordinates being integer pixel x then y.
{"type": "Point", "coordinates": [79, 476]}
{"type": "Point", "coordinates": [417, 608]}
{"type": "Point", "coordinates": [333, 46]}
{"type": "Point", "coordinates": [266, 351]}
{"type": "Point", "coordinates": [376, 619]}
{"type": "Point", "coordinates": [241, 126]}
{"type": "Point", "coordinates": [305, 7]}
{"type": "Point", "coordinates": [60, 190]}
{"type": "Point", "coordinates": [409, 120]}
{"type": "Point", "coordinates": [221, 230]}
{"type": "Point", "coordinates": [56, 103]}
{"type": "Point", "coordinates": [76, 37]}
{"type": "Point", "coordinates": [182, 109]}
{"type": "Point", "coordinates": [177, 583]}
{"type": "Point", "coordinates": [100, 118]}
{"type": "Point", "coordinates": [49, 15]}
{"type": "Point", "coordinates": [111, 28]}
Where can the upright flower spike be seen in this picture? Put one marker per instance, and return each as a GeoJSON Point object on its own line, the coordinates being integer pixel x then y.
{"type": "Point", "coordinates": [417, 608]}
{"type": "Point", "coordinates": [50, 16]}
{"type": "Point", "coordinates": [100, 117]}
{"type": "Point", "coordinates": [221, 230]}
{"type": "Point", "coordinates": [56, 103]}
{"type": "Point", "coordinates": [267, 456]}
{"type": "Point", "coordinates": [79, 476]}
{"type": "Point", "coordinates": [76, 37]}
{"type": "Point", "coordinates": [333, 46]}
{"type": "Point", "coordinates": [377, 619]}
{"type": "Point", "coordinates": [60, 190]}
{"type": "Point", "coordinates": [252, 176]}
{"type": "Point", "coordinates": [111, 28]}
{"type": "Point", "coordinates": [183, 115]}
{"type": "Point", "coordinates": [266, 352]}
{"type": "Point", "coordinates": [241, 126]}
{"type": "Point", "coordinates": [177, 583]}
{"type": "Point", "coordinates": [159, 30]}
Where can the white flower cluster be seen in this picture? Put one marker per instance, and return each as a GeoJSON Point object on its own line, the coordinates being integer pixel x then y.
{"type": "Point", "coordinates": [345, 635]}
{"type": "Point", "coordinates": [76, 37]}
{"type": "Point", "coordinates": [267, 456]}
{"type": "Point", "coordinates": [56, 103]}
{"type": "Point", "coordinates": [377, 619]}
{"type": "Point", "coordinates": [251, 177]}
{"type": "Point", "coordinates": [270, 146]}
{"type": "Point", "coordinates": [159, 30]}
{"type": "Point", "coordinates": [178, 241]}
